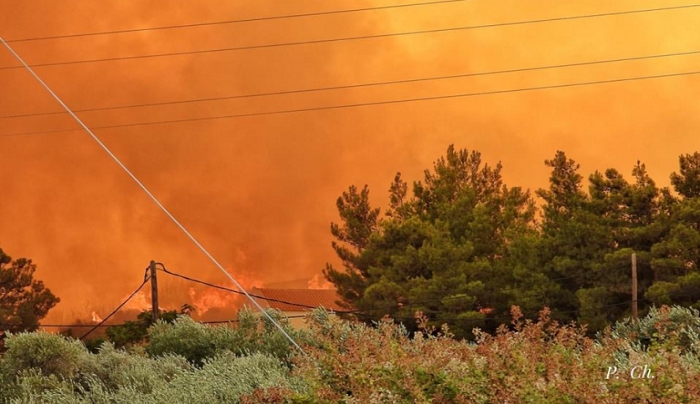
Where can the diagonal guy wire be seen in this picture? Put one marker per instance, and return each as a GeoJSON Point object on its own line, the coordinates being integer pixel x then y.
{"type": "Point", "coordinates": [157, 202]}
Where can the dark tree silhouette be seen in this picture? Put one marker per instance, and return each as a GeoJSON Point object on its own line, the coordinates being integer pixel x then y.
{"type": "Point", "coordinates": [23, 300]}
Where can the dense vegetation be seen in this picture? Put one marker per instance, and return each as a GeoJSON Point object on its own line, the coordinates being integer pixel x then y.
{"type": "Point", "coordinates": [540, 361]}
{"type": "Point", "coordinates": [448, 286]}
{"type": "Point", "coordinates": [463, 247]}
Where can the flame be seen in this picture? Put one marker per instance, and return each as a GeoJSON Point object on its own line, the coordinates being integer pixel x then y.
{"type": "Point", "coordinates": [206, 299]}
{"type": "Point", "coordinates": [140, 302]}
{"type": "Point", "coordinates": [248, 211]}
{"type": "Point", "coordinates": [96, 318]}
{"type": "Point", "coordinates": [319, 282]}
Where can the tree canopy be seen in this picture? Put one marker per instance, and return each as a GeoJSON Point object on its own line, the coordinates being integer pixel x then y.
{"type": "Point", "coordinates": [461, 247]}
{"type": "Point", "coordinates": [23, 300]}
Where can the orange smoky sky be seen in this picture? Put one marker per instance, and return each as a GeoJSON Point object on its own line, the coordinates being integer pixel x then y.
{"type": "Point", "coordinates": [259, 192]}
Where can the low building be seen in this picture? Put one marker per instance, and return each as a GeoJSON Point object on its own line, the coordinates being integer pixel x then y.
{"type": "Point", "coordinates": [296, 303]}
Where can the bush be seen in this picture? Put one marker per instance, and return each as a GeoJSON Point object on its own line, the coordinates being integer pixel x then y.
{"type": "Point", "coordinates": [198, 342]}
{"type": "Point", "coordinates": [225, 378]}
{"type": "Point", "coordinates": [31, 386]}
{"type": "Point", "coordinates": [187, 338]}
{"type": "Point", "coordinates": [114, 369]}
{"type": "Point", "coordinates": [50, 354]}
{"type": "Point", "coordinates": [115, 376]}
{"type": "Point", "coordinates": [350, 362]}
{"type": "Point", "coordinates": [667, 327]}
{"type": "Point", "coordinates": [541, 361]}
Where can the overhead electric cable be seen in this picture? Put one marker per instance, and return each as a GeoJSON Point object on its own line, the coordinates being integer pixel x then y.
{"type": "Point", "coordinates": [269, 299]}
{"type": "Point", "coordinates": [96, 326]}
{"type": "Point", "coordinates": [361, 85]}
{"type": "Point", "coordinates": [235, 320]}
{"type": "Point", "coordinates": [155, 200]}
{"type": "Point", "coordinates": [681, 294]}
{"type": "Point", "coordinates": [355, 38]}
{"type": "Point", "coordinates": [358, 312]}
{"type": "Point", "coordinates": [238, 21]}
{"type": "Point", "coordinates": [368, 104]}
{"type": "Point", "coordinates": [687, 291]}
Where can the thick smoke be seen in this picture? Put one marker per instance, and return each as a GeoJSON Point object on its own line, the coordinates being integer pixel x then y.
{"type": "Point", "coordinates": [259, 192]}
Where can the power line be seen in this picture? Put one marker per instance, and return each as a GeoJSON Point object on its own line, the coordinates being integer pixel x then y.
{"type": "Point", "coordinates": [235, 320]}
{"type": "Point", "coordinates": [145, 280]}
{"type": "Point", "coordinates": [164, 269]}
{"type": "Point", "coordinates": [682, 292]}
{"type": "Point", "coordinates": [238, 21]}
{"type": "Point", "coordinates": [155, 200]}
{"type": "Point", "coordinates": [357, 311]}
{"type": "Point", "coordinates": [361, 85]}
{"type": "Point", "coordinates": [355, 38]}
{"type": "Point", "coordinates": [368, 104]}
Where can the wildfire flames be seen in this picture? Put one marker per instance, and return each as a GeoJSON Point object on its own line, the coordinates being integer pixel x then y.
{"type": "Point", "coordinates": [319, 282]}
{"type": "Point", "coordinates": [209, 303]}
{"type": "Point", "coordinates": [140, 302]}
{"type": "Point", "coordinates": [206, 300]}
{"type": "Point", "coordinates": [96, 318]}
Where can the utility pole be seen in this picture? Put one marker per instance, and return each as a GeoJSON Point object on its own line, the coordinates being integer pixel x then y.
{"type": "Point", "coordinates": [154, 291]}
{"type": "Point", "coordinates": [634, 286]}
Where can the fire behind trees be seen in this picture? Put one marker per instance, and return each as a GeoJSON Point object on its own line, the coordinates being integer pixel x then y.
{"type": "Point", "coordinates": [462, 247]}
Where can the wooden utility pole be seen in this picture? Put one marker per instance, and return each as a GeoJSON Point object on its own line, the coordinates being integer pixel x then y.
{"type": "Point", "coordinates": [634, 286]}
{"type": "Point", "coordinates": [154, 291]}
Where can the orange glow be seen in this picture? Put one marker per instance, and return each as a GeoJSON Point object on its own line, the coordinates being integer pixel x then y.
{"type": "Point", "coordinates": [96, 318]}
{"type": "Point", "coordinates": [213, 299]}
{"type": "Point", "coordinates": [319, 282]}
{"type": "Point", "coordinates": [140, 302]}
{"type": "Point", "coordinates": [205, 299]}
{"type": "Point", "coordinates": [259, 192]}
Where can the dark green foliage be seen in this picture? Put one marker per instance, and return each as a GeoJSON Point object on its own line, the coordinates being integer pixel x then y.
{"type": "Point", "coordinates": [448, 250]}
{"type": "Point", "coordinates": [687, 181]}
{"type": "Point", "coordinates": [23, 300]}
{"type": "Point", "coordinates": [461, 247]}
{"type": "Point", "coordinates": [675, 258]}
{"type": "Point", "coordinates": [133, 332]}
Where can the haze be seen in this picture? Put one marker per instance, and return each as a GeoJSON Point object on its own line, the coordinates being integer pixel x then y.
{"type": "Point", "coordinates": [259, 192]}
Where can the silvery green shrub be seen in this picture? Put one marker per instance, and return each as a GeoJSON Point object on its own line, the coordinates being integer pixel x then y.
{"type": "Point", "coordinates": [198, 342]}
{"type": "Point", "coordinates": [674, 326]}
{"type": "Point", "coordinates": [50, 354]}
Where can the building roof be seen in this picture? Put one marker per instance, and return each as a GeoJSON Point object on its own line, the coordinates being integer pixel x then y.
{"type": "Point", "coordinates": [305, 298]}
